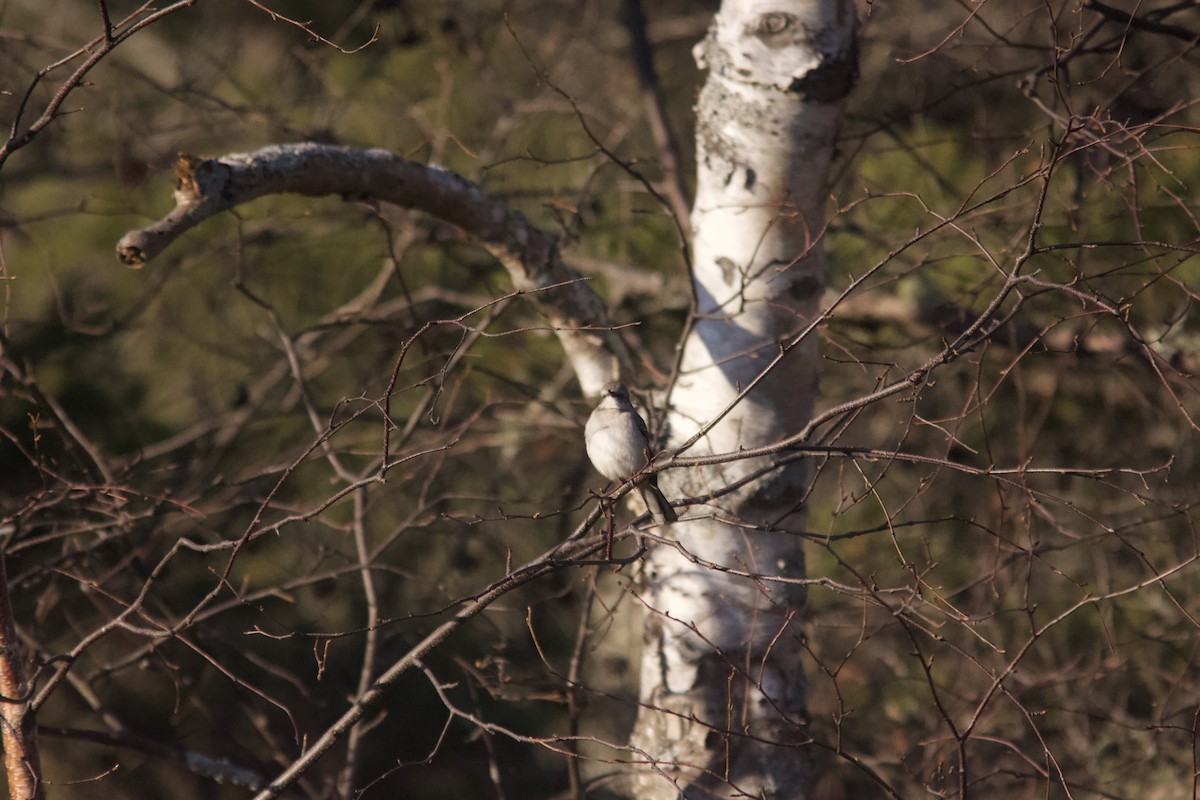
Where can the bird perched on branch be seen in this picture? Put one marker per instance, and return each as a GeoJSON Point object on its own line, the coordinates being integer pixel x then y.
{"type": "Point", "coordinates": [619, 447]}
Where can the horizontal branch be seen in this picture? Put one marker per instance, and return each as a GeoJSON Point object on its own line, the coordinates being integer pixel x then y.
{"type": "Point", "coordinates": [1143, 23]}
{"type": "Point", "coordinates": [217, 769]}
{"type": "Point", "coordinates": [208, 186]}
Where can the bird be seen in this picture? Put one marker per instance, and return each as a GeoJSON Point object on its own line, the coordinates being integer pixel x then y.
{"type": "Point", "coordinates": [618, 445]}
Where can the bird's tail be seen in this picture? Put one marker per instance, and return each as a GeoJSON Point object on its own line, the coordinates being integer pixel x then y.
{"type": "Point", "coordinates": [657, 504]}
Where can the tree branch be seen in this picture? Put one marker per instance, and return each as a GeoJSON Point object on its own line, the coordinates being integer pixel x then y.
{"type": "Point", "coordinates": [19, 733]}
{"type": "Point", "coordinates": [1142, 23]}
{"type": "Point", "coordinates": [532, 256]}
{"type": "Point", "coordinates": [556, 558]}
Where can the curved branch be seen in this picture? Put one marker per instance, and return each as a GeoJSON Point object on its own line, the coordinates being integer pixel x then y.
{"type": "Point", "coordinates": [532, 256]}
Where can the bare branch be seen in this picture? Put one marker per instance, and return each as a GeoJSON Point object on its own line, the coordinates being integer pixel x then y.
{"type": "Point", "coordinates": [207, 187]}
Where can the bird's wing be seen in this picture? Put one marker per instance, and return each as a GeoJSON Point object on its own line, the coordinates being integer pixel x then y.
{"type": "Point", "coordinates": [641, 426]}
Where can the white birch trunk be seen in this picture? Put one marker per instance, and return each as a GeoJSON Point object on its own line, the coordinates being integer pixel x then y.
{"type": "Point", "coordinates": [723, 695]}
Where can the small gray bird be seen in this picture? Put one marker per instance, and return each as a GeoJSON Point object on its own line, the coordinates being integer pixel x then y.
{"type": "Point", "coordinates": [619, 447]}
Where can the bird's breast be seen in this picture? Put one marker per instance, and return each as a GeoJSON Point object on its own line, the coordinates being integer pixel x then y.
{"type": "Point", "coordinates": [614, 445]}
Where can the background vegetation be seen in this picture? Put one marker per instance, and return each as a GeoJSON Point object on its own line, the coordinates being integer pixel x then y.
{"type": "Point", "coordinates": [1007, 577]}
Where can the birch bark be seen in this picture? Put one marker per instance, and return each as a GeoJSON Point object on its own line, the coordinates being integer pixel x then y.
{"type": "Point", "coordinates": [722, 691]}
{"type": "Point", "coordinates": [22, 765]}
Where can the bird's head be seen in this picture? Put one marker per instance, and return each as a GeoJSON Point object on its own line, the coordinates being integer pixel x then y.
{"type": "Point", "coordinates": [616, 391]}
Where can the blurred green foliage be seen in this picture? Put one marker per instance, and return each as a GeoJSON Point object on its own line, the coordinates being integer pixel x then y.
{"type": "Point", "coordinates": [179, 376]}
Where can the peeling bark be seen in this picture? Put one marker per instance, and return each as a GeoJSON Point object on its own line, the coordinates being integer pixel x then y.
{"type": "Point", "coordinates": [19, 733]}
{"type": "Point", "coordinates": [723, 693]}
